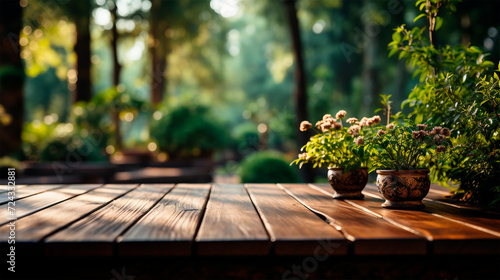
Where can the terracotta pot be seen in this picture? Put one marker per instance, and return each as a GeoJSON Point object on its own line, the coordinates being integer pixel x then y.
{"type": "Point", "coordinates": [348, 185]}
{"type": "Point", "coordinates": [403, 189]}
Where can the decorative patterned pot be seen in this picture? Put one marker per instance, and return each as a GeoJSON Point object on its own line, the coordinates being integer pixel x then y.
{"type": "Point", "coordinates": [348, 185]}
{"type": "Point", "coordinates": [403, 189]}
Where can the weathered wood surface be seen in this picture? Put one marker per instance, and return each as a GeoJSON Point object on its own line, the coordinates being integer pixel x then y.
{"type": "Point", "coordinates": [231, 224]}
{"type": "Point", "coordinates": [293, 228]}
{"type": "Point", "coordinates": [4, 188]}
{"type": "Point", "coordinates": [35, 227]}
{"type": "Point", "coordinates": [37, 202]}
{"type": "Point", "coordinates": [170, 227]}
{"type": "Point", "coordinates": [446, 236]}
{"type": "Point", "coordinates": [240, 220]}
{"type": "Point", "coordinates": [95, 234]}
{"type": "Point", "coordinates": [369, 234]}
{"type": "Point", "coordinates": [27, 191]}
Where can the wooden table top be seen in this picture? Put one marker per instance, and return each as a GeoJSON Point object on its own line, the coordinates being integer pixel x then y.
{"type": "Point", "coordinates": [238, 220]}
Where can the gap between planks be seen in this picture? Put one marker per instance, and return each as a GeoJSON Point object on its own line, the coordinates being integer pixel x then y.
{"type": "Point", "coordinates": [96, 234]}
{"type": "Point", "coordinates": [384, 238]}
{"type": "Point", "coordinates": [446, 236]}
{"type": "Point", "coordinates": [294, 229]}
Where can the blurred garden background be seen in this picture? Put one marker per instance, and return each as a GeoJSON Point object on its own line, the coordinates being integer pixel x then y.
{"type": "Point", "coordinates": [197, 90]}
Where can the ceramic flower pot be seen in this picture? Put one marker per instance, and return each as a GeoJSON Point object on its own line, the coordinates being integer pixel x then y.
{"type": "Point", "coordinates": [348, 185]}
{"type": "Point", "coordinates": [403, 189]}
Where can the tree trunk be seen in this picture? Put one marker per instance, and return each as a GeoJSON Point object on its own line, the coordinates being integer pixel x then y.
{"type": "Point", "coordinates": [158, 52]}
{"type": "Point", "coordinates": [159, 64]}
{"type": "Point", "coordinates": [83, 90]}
{"type": "Point", "coordinates": [114, 45]}
{"type": "Point", "coordinates": [116, 77]}
{"type": "Point", "coordinates": [300, 95]}
{"type": "Point", "coordinates": [11, 77]}
{"type": "Point", "coordinates": [369, 74]}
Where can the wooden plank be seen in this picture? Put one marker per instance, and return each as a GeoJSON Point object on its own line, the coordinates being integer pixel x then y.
{"type": "Point", "coordinates": [28, 191]}
{"type": "Point", "coordinates": [231, 225]}
{"type": "Point", "coordinates": [293, 229]}
{"type": "Point", "coordinates": [170, 227]}
{"type": "Point", "coordinates": [445, 198]}
{"type": "Point", "coordinates": [382, 238]}
{"type": "Point", "coordinates": [4, 188]}
{"type": "Point", "coordinates": [95, 234]}
{"type": "Point", "coordinates": [445, 236]}
{"type": "Point", "coordinates": [35, 227]}
{"type": "Point", "coordinates": [484, 220]}
{"type": "Point", "coordinates": [34, 203]}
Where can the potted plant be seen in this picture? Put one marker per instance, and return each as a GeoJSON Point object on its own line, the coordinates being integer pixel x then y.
{"type": "Point", "coordinates": [342, 149]}
{"type": "Point", "coordinates": [402, 154]}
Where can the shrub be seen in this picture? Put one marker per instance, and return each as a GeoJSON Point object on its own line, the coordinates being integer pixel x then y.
{"type": "Point", "coordinates": [54, 142]}
{"type": "Point", "coordinates": [267, 167]}
{"type": "Point", "coordinates": [71, 149]}
{"type": "Point", "coordinates": [188, 131]}
{"type": "Point", "coordinates": [245, 138]}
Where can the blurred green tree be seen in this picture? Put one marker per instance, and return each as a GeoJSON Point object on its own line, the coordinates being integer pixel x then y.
{"type": "Point", "coordinates": [11, 78]}
{"type": "Point", "coordinates": [79, 12]}
{"type": "Point", "coordinates": [183, 29]}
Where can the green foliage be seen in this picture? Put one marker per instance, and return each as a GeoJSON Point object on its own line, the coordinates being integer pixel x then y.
{"type": "Point", "coordinates": [245, 136]}
{"type": "Point", "coordinates": [406, 146]}
{"type": "Point", "coordinates": [475, 160]}
{"type": "Point", "coordinates": [56, 142]}
{"type": "Point", "coordinates": [97, 117]}
{"type": "Point", "coordinates": [9, 162]}
{"type": "Point", "coordinates": [188, 130]}
{"type": "Point", "coordinates": [267, 167]}
{"type": "Point", "coordinates": [446, 74]}
{"type": "Point", "coordinates": [116, 99]}
{"type": "Point", "coordinates": [72, 149]}
{"type": "Point", "coordinates": [456, 90]}
{"type": "Point", "coordinates": [337, 146]}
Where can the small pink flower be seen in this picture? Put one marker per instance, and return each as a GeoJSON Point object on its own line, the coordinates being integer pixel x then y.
{"type": "Point", "coordinates": [341, 114]}
{"type": "Point", "coordinates": [418, 135]}
{"type": "Point", "coordinates": [421, 126]}
{"type": "Point", "coordinates": [352, 120]}
{"type": "Point", "coordinates": [446, 132]}
{"type": "Point", "coordinates": [305, 125]}
{"type": "Point", "coordinates": [375, 120]}
{"type": "Point", "coordinates": [381, 132]}
{"type": "Point", "coordinates": [440, 148]}
{"type": "Point", "coordinates": [390, 126]}
{"type": "Point", "coordinates": [328, 118]}
{"type": "Point", "coordinates": [436, 130]}
{"type": "Point", "coordinates": [363, 122]}
{"type": "Point", "coordinates": [325, 127]}
{"type": "Point", "coordinates": [439, 138]}
{"type": "Point", "coordinates": [359, 141]}
{"type": "Point", "coordinates": [354, 130]}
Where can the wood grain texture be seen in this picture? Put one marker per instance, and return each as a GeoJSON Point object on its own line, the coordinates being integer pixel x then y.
{"type": "Point", "coordinates": [4, 188]}
{"type": "Point", "coordinates": [370, 234]}
{"type": "Point", "coordinates": [473, 216]}
{"type": "Point", "coordinates": [231, 225]}
{"type": "Point", "coordinates": [445, 236]}
{"type": "Point", "coordinates": [95, 234]}
{"type": "Point", "coordinates": [28, 191]}
{"type": "Point", "coordinates": [35, 227]}
{"type": "Point", "coordinates": [37, 202]}
{"type": "Point", "coordinates": [293, 228]}
{"type": "Point", "coordinates": [170, 227]}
